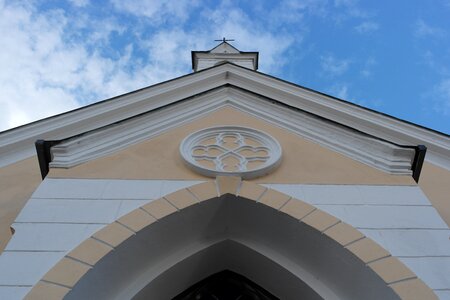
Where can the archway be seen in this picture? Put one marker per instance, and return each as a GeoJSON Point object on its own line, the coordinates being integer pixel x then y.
{"type": "Point", "coordinates": [225, 285]}
{"type": "Point", "coordinates": [284, 245]}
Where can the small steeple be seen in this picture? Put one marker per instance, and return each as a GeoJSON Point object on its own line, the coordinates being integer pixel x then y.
{"type": "Point", "coordinates": [224, 52]}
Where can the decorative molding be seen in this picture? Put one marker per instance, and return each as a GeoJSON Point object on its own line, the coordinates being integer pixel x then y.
{"type": "Point", "coordinates": [371, 122]}
{"type": "Point", "coordinates": [17, 144]}
{"type": "Point", "coordinates": [231, 151]}
{"type": "Point", "coordinates": [356, 145]}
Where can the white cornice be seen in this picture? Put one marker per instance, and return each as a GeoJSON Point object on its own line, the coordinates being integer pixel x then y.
{"type": "Point", "coordinates": [371, 122]}
{"type": "Point", "coordinates": [18, 143]}
{"type": "Point", "coordinates": [371, 151]}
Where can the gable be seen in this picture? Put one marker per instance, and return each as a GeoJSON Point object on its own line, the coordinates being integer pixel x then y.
{"type": "Point", "coordinates": [158, 157]}
{"type": "Point", "coordinates": [224, 48]}
{"type": "Point", "coordinates": [370, 150]}
{"type": "Point", "coordinates": [17, 144]}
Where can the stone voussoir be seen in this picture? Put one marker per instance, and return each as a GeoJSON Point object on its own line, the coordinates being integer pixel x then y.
{"type": "Point", "coordinates": [90, 251]}
{"type": "Point", "coordinates": [181, 199]}
{"type": "Point", "coordinates": [159, 208]}
{"type": "Point", "coordinates": [67, 272]}
{"type": "Point", "coordinates": [320, 220]}
{"type": "Point", "coordinates": [204, 191]}
{"type": "Point", "coordinates": [137, 220]}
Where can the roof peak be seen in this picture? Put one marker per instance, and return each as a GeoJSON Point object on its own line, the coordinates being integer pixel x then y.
{"type": "Point", "coordinates": [224, 52]}
{"type": "Point", "coordinates": [224, 47]}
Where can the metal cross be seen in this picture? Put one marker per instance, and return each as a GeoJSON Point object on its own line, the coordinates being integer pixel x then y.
{"type": "Point", "coordinates": [224, 40]}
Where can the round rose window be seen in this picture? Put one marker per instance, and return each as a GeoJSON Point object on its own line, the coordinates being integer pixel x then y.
{"type": "Point", "coordinates": [231, 150]}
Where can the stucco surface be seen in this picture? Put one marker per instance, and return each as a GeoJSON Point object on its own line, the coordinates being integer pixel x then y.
{"type": "Point", "coordinates": [435, 182]}
{"type": "Point", "coordinates": [17, 182]}
{"type": "Point", "coordinates": [303, 161]}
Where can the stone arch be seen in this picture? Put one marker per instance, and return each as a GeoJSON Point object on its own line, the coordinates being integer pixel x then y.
{"type": "Point", "coordinates": [65, 278]}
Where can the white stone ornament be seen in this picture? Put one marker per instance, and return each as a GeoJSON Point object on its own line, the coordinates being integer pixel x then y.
{"type": "Point", "coordinates": [231, 150]}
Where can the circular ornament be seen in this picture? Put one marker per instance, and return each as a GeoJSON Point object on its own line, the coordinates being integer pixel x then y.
{"type": "Point", "coordinates": [231, 150]}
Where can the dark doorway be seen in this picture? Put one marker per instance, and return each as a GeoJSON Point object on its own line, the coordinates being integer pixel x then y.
{"type": "Point", "coordinates": [225, 285]}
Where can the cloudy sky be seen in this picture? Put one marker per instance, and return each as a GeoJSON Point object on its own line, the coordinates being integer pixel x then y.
{"type": "Point", "coordinates": [391, 56]}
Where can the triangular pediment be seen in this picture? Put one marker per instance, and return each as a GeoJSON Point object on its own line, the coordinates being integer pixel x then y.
{"type": "Point", "coordinates": [361, 147]}
{"type": "Point", "coordinates": [160, 156]}
{"type": "Point", "coordinates": [224, 47]}
{"type": "Point", "coordinates": [361, 134]}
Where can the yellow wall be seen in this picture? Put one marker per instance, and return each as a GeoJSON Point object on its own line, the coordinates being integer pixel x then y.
{"type": "Point", "coordinates": [17, 182]}
{"type": "Point", "coordinates": [435, 182]}
{"type": "Point", "coordinates": [303, 161]}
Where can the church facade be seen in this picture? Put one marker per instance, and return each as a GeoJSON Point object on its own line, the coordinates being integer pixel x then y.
{"type": "Point", "coordinates": [225, 182]}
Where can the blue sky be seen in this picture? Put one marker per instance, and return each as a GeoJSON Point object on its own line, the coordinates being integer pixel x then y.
{"type": "Point", "coordinates": [391, 56]}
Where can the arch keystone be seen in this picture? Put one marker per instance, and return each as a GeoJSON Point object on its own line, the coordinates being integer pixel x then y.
{"type": "Point", "coordinates": [228, 184]}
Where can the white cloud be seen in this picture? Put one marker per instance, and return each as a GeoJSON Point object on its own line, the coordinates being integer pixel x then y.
{"type": "Point", "coordinates": [442, 97]}
{"type": "Point", "coordinates": [294, 12]}
{"type": "Point", "coordinates": [28, 90]}
{"type": "Point", "coordinates": [435, 63]}
{"type": "Point", "coordinates": [64, 59]}
{"type": "Point", "coordinates": [250, 35]}
{"type": "Point", "coordinates": [339, 90]}
{"type": "Point", "coordinates": [367, 68]}
{"type": "Point", "coordinates": [348, 9]}
{"type": "Point", "coordinates": [79, 3]}
{"type": "Point", "coordinates": [333, 66]}
{"type": "Point", "coordinates": [157, 11]}
{"type": "Point", "coordinates": [423, 30]}
{"type": "Point", "coordinates": [55, 60]}
{"type": "Point", "coordinates": [342, 92]}
{"type": "Point", "coordinates": [45, 68]}
{"type": "Point", "coordinates": [367, 27]}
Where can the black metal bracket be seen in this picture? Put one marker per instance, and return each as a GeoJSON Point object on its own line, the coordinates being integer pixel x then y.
{"type": "Point", "coordinates": [44, 155]}
{"type": "Point", "coordinates": [419, 158]}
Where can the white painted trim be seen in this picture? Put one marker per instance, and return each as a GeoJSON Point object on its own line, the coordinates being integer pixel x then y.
{"type": "Point", "coordinates": [371, 151]}
{"type": "Point", "coordinates": [347, 114]}
{"type": "Point", "coordinates": [18, 144]}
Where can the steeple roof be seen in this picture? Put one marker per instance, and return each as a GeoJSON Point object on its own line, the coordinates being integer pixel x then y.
{"type": "Point", "coordinates": [224, 52]}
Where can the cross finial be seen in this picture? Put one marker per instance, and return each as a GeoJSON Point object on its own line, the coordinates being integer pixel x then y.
{"type": "Point", "coordinates": [224, 40]}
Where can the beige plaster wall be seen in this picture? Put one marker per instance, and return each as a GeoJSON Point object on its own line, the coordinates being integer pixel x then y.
{"type": "Point", "coordinates": [17, 182]}
{"type": "Point", "coordinates": [303, 161]}
{"type": "Point", "coordinates": [435, 182]}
